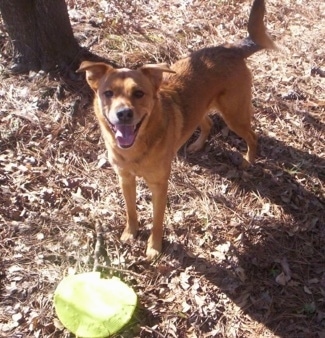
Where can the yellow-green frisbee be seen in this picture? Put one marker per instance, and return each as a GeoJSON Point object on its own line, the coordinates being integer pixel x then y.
{"type": "Point", "coordinates": [91, 307]}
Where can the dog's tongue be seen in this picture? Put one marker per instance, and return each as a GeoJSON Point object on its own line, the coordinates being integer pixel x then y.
{"type": "Point", "coordinates": [125, 135]}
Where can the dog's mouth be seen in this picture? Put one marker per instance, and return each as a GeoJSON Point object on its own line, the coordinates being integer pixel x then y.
{"type": "Point", "coordinates": [125, 134]}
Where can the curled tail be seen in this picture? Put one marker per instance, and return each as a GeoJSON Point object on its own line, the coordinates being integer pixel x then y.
{"type": "Point", "coordinates": [258, 38]}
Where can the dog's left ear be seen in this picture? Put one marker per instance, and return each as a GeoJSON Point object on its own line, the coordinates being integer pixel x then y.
{"type": "Point", "coordinates": [155, 72]}
{"type": "Point", "coordinates": [94, 72]}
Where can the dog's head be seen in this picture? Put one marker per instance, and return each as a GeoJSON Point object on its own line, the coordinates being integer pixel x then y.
{"type": "Point", "coordinates": [125, 97]}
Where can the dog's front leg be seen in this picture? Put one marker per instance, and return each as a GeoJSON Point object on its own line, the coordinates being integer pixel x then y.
{"type": "Point", "coordinates": [159, 201]}
{"type": "Point", "coordinates": [128, 186]}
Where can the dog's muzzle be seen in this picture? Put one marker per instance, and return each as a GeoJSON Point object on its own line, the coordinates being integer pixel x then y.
{"type": "Point", "coordinates": [125, 133]}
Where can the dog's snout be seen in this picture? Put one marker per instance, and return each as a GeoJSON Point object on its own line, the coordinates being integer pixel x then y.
{"type": "Point", "coordinates": [125, 115]}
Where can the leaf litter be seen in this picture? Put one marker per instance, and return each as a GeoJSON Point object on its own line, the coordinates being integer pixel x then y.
{"type": "Point", "coordinates": [244, 251]}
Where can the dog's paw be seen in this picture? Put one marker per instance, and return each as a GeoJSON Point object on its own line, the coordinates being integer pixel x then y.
{"type": "Point", "coordinates": [153, 249]}
{"type": "Point", "coordinates": [129, 234]}
{"type": "Point", "coordinates": [152, 253]}
{"type": "Point", "coordinates": [194, 147]}
{"type": "Point", "coordinates": [247, 162]}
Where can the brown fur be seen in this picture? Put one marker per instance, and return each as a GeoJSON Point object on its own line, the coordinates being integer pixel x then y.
{"type": "Point", "coordinates": [167, 105]}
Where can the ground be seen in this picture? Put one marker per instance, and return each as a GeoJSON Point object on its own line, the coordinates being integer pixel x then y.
{"type": "Point", "coordinates": [244, 250]}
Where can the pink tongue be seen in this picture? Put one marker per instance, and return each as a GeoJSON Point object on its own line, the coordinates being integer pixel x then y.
{"type": "Point", "coordinates": [125, 135]}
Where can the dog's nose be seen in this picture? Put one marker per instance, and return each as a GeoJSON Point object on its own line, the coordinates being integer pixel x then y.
{"type": "Point", "coordinates": [125, 115]}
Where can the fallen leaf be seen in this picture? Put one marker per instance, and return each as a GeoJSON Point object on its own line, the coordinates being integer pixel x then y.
{"type": "Point", "coordinates": [307, 290]}
{"type": "Point", "coordinates": [282, 279]}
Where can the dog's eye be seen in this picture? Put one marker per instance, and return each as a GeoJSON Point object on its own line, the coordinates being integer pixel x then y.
{"type": "Point", "coordinates": [109, 94]}
{"type": "Point", "coordinates": [138, 94]}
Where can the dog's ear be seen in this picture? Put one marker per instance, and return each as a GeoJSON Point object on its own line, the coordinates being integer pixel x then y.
{"type": "Point", "coordinates": [155, 72]}
{"type": "Point", "coordinates": [94, 72]}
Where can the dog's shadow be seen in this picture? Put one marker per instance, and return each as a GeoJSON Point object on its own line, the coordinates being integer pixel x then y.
{"type": "Point", "coordinates": [279, 176]}
{"type": "Point", "coordinates": [278, 167]}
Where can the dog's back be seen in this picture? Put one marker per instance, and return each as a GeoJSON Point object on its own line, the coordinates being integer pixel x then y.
{"type": "Point", "coordinates": [217, 78]}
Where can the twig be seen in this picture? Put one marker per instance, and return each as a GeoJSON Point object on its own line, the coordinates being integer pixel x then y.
{"type": "Point", "coordinates": [98, 245]}
{"type": "Point", "coordinates": [121, 270]}
{"type": "Point", "coordinates": [151, 330]}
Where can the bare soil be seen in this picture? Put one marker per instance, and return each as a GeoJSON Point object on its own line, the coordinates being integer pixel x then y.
{"type": "Point", "coordinates": [244, 251]}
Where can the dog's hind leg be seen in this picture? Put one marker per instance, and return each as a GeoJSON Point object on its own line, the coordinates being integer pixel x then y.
{"type": "Point", "coordinates": [236, 109]}
{"type": "Point", "coordinates": [205, 127]}
{"type": "Point", "coordinates": [239, 121]}
{"type": "Point", "coordinates": [245, 131]}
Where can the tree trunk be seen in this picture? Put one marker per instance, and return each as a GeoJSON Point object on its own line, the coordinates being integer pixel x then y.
{"type": "Point", "coordinates": [41, 34]}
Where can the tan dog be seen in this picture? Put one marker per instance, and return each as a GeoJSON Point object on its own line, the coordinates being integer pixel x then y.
{"type": "Point", "coordinates": [147, 114]}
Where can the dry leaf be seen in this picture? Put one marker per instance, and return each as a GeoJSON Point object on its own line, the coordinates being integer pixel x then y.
{"type": "Point", "coordinates": [307, 290]}
{"type": "Point", "coordinates": [282, 279]}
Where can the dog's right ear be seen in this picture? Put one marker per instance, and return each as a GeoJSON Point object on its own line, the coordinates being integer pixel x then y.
{"type": "Point", "coordinates": [94, 72]}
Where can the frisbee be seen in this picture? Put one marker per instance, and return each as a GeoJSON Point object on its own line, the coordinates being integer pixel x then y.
{"type": "Point", "coordinates": [91, 307]}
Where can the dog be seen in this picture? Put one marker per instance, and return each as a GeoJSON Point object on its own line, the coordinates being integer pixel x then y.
{"type": "Point", "coordinates": [147, 114]}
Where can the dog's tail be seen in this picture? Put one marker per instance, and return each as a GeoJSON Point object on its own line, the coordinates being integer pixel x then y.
{"type": "Point", "coordinates": [258, 38]}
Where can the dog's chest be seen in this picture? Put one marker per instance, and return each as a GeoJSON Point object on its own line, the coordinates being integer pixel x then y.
{"type": "Point", "coordinates": [135, 165]}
